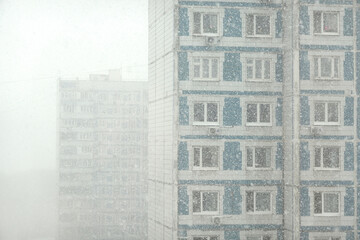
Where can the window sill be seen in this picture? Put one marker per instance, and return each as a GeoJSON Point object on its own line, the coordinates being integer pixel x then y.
{"type": "Point", "coordinates": [206, 80]}
{"type": "Point", "coordinates": [259, 80]}
{"type": "Point", "coordinates": [258, 169]}
{"type": "Point", "coordinates": [206, 35]}
{"type": "Point", "coordinates": [205, 124]}
{"type": "Point", "coordinates": [327, 215]}
{"type": "Point", "coordinates": [259, 36]}
{"type": "Point", "coordinates": [327, 169]}
{"type": "Point", "coordinates": [326, 34]}
{"type": "Point", "coordinates": [205, 213]}
{"type": "Point", "coordinates": [326, 124]}
{"type": "Point", "coordinates": [205, 169]}
{"type": "Point", "coordinates": [327, 79]}
{"type": "Point", "coordinates": [259, 213]}
{"type": "Point", "coordinates": [259, 124]}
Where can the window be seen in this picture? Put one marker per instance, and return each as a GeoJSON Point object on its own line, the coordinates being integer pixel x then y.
{"type": "Point", "coordinates": [206, 238]}
{"type": "Point", "coordinates": [205, 202]}
{"type": "Point", "coordinates": [206, 23]}
{"type": "Point", "coordinates": [326, 113]}
{"type": "Point", "coordinates": [258, 114]}
{"type": "Point", "coordinates": [258, 157]}
{"type": "Point", "coordinates": [326, 23]}
{"type": "Point", "coordinates": [205, 68]}
{"type": "Point", "coordinates": [258, 202]}
{"type": "Point", "coordinates": [326, 68]}
{"type": "Point", "coordinates": [206, 157]}
{"type": "Point", "coordinates": [326, 203]}
{"type": "Point", "coordinates": [263, 237]}
{"type": "Point", "coordinates": [327, 157]}
{"type": "Point", "coordinates": [258, 25]}
{"type": "Point", "coordinates": [206, 113]}
{"type": "Point", "coordinates": [258, 69]}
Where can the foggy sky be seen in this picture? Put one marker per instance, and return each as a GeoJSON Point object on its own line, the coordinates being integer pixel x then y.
{"type": "Point", "coordinates": [41, 40]}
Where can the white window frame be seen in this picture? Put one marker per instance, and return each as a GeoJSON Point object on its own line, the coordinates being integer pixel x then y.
{"type": "Point", "coordinates": [253, 167]}
{"type": "Point", "coordinates": [205, 122]}
{"type": "Point", "coordinates": [202, 13]}
{"type": "Point", "coordinates": [323, 202]}
{"type": "Point", "coordinates": [201, 160]}
{"type": "Point", "coordinates": [254, 35]}
{"type": "Point", "coordinates": [258, 123]}
{"type": "Point", "coordinates": [317, 58]}
{"type": "Point", "coordinates": [256, 192]}
{"type": "Point", "coordinates": [322, 23]}
{"type": "Point", "coordinates": [202, 78]}
{"type": "Point", "coordinates": [322, 157]}
{"type": "Point", "coordinates": [262, 79]}
{"type": "Point", "coordinates": [326, 122]}
{"type": "Point", "coordinates": [201, 203]}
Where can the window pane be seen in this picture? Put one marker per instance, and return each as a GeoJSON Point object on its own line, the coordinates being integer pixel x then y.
{"type": "Point", "coordinates": [197, 23]}
{"type": "Point", "coordinates": [249, 201]}
{"type": "Point", "coordinates": [317, 202]}
{"type": "Point", "coordinates": [197, 157]}
{"type": "Point", "coordinates": [263, 202]}
{"type": "Point", "coordinates": [266, 238]}
{"type": "Point", "coordinates": [263, 25]}
{"type": "Point", "coordinates": [331, 157]}
{"type": "Point", "coordinates": [330, 22]}
{"type": "Point", "coordinates": [336, 68]}
{"type": "Point", "coordinates": [250, 72]}
{"type": "Point", "coordinates": [326, 67]}
{"type": "Point", "coordinates": [250, 25]}
{"type": "Point", "coordinates": [258, 69]}
{"type": "Point", "coordinates": [205, 68]}
{"type": "Point", "coordinates": [249, 157]}
{"type": "Point", "coordinates": [317, 22]}
{"type": "Point", "coordinates": [251, 113]}
{"type": "Point", "coordinates": [212, 112]}
{"type": "Point", "coordinates": [333, 113]}
{"type": "Point", "coordinates": [316, 67]}
{"type": "Point", "coordinates": [200, 238]}
{"type": "Point", "coordinates": [199, 112]}
{"type": "Point", "coordinates": [210, 156]}
{"type": "Point", "coordinates": [266, 69]}
{"type": "Point", "coordinates": [317, 157]}
{"type": "Point", "coordinates": [196, 71]}
{"type": "Point", "coordinates": [196, 201]}
{"type": "Point", "coordinates": [262, 157]}
{"type": "Point", "coordinates": [264, 113]}
{"type": "Point", "coordinates": [214, 238]}
{"type": "Point", "coordinates": [214, 68]}
{"type": "Point", "coordinates": [210, 201]}
{"type": "Point", "coordinates": [320, 112]}
{"type": "Point", "coordinates": [331, 203]}
{"type": "Point", "coordinates": [210, 23]}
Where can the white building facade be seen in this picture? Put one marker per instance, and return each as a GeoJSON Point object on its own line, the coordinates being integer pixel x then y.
{"type": "Point", "coordinates": [253, 127]}
{"type": "Point", "coordinates": [102, 143]}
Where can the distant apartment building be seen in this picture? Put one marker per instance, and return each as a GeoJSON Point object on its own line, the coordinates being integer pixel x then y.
{"type": "Point", "coordinates": [102, 158]}
{"type": "Point", "coordinates": [254, 121]}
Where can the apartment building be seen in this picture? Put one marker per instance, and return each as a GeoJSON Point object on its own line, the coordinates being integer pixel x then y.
{"type": "Point", "coordinates": [102, 158]}
{"type": "Point", "coordinates": [254, 119]}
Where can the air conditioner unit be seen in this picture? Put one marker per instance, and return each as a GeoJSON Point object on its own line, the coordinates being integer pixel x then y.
{"type": "Point", "coordinates": [216, 220]}
{"type": "Point", "coordinates": [316, 131]}
{"type": "Point", "coordinates": [211, 41]}
{"type": "Point", "coordinates": [213, 131]}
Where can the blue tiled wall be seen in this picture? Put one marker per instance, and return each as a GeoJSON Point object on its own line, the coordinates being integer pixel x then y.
{"type": "Point", "coordinates": [183, 22]}
{"type": "Point", "coordinates": [232, 200]}
{"type": "Point", "coordinates": [349, 156]}
{"type": "Point", "coordinates": [304, 26]}
{"type": "Point", "coordinates": [232, 67]}
{"type": "Point", "coordinates": [232, 159]}
{"type": "Point", "coordinates": [183, 111]}
{"type": "Point", "coordinates": [183, 201]}
{"type": "Point", "coordinates": [183, 156]}
{"type": "Point", "coordinates": [232, 112]}
{"type": "Point", "coordinates": [304, 201]}
{"type": "Point", "coordinates": [232, 23]}
{"type": "Point", "coordinates": [304, 156]}
{"type": "Point", "coordinates": [304, 110]}
{"type": "Point", "coordinates": [183, 66]}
